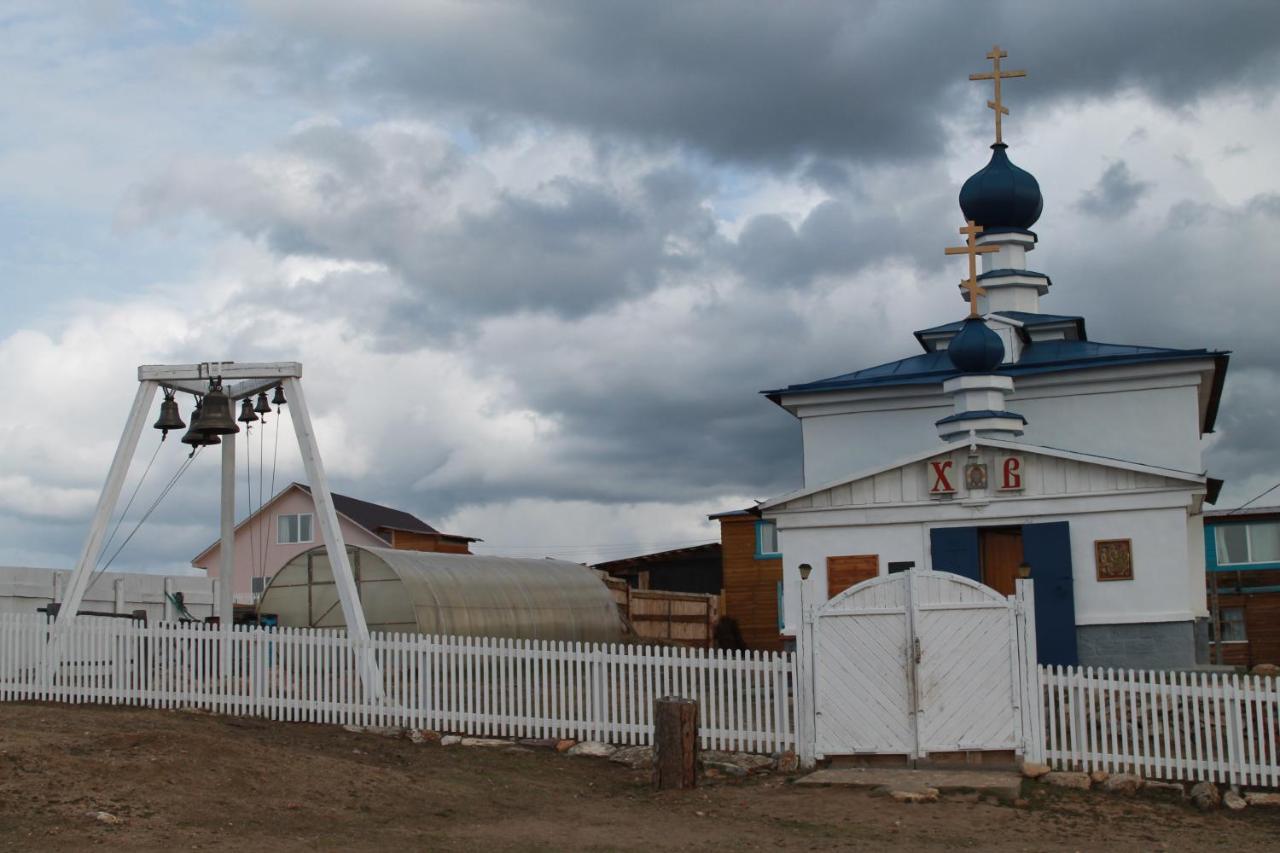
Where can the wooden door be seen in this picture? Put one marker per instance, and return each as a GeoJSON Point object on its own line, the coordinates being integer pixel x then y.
{"type": "Point", "coordinates": [1001, 556]}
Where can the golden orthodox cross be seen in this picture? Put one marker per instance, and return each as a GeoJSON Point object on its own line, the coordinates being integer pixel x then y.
{"type": "Point", "coordinates": [997, 75]}
{"type": "Point", "coordinates": [972, 249]}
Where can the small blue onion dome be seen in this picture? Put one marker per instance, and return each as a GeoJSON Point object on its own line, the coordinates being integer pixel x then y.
{"type": "Point", "coordinates": [975, 348]}
{"type": "Point", "coordinates": [1002, 195]}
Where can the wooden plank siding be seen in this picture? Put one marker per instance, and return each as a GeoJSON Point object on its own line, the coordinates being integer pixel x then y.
{"type": "Point", "coordinates": [844, 572]}
{"type": "Point", "coordinates": [1261, 628]}
{"type": "Point", "coordinates": [409, 540]}
{"type": "Point", "coordinates": [750, 585]}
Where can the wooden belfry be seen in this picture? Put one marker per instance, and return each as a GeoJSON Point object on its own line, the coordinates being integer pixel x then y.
{"type": "Point", "coordinates": [240, 381]}
{"type": "Point", "coordinates": [996, 75]}
{"type": "Point", "coordinates": [972, 249]}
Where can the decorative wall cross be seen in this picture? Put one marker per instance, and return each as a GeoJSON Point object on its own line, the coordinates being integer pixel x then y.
{"type": "Point", "coordinates": [972, 249]}
{"type": "Point", "coordinates": [997, 75]}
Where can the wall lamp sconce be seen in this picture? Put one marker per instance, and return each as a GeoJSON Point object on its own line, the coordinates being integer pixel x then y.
{"type": "Point", "coordinates": [805, 569]}
{"type": "Point", "coordinates": [1024, 570]}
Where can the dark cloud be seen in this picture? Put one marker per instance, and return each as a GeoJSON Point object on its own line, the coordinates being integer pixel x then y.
{"type": "Point", "coordinates": [759, 82]}
{"type": "Point", "coordinates": [1116, 193]}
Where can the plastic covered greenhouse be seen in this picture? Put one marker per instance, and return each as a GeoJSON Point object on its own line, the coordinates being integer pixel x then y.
{"type": "Point", "coordinates": [459, 594]}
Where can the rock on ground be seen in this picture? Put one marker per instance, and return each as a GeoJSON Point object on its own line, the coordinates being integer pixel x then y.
{"type": "Point", "coordinates": [787, 762]}
{"type": "Point", "coordinates": [1172, 791]}
{"type": "Point", "coordinates": [485, 741]}
{"type": "Point", "coordinates": [915, 795]}
{"type": "Point", "coordinates": [1034, 770]}
{"type": "Point", "coordinates": [1097, 777]}
{"type": "Point", "coordinates": [1258, 798]}
{"type": "Point", "coordinates": [564, 745]}
{"type": "Point", "coordinates": [635, 757]}
{"type": "Point", "coordinates": [728, 768]}
{"type": "Point", "coordinates": [1266, 669]}
{"type": "Point", "coordinates": [1124, 784]}
{"type": "Point", "coordinates": [450, 740]}
{"type": "Point", "coordinates": [105, 817]}
{"type": "Point", "coordinates": [593, 749]}
{"type": "Point", "coordinates": [1062, 779]}
{"type": "Point", "coordinates": [423, 736]}
{"type": "Point", "coordinates": [1233, 801]}
{"type": "Point", "coordinates": [1206, 796]}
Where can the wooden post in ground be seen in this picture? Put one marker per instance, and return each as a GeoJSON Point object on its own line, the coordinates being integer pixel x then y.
{"type": "Point", "coordinates": [675, 743]}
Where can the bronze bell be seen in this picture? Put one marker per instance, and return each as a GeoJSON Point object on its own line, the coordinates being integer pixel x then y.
{"type": "Point", "coordinates": [247, 415]}
{"type": "Point", "coordinates": [215, 414]}
{"type": "Point", "coordinates": [262, 407]}
{"type": "Point", "coordinates": [198, 439]}
{"type": "Point", "coordinates": [170, 417]}
{"type": "Point", "coordinates": [278, 399]}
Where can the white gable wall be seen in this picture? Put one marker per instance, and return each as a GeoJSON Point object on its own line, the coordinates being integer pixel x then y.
{"type": "Point", "coordinates": [890, 514]}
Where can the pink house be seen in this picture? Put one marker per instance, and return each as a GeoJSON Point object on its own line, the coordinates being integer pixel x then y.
{"type": "Point", "coordinates": [285, 526]}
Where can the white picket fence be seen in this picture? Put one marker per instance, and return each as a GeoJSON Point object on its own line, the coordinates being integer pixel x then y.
{"type": "Point", "coordinates": [1184, 726]}
{"type": "Point", "coordinates": [467, 685]}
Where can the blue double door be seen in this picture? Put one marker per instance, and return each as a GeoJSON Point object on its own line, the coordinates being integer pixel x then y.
{"type": "Point", "coordinates": [1046, 548]}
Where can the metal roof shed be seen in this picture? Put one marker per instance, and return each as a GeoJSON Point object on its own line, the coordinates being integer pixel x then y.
{"type": "Point", "coordinates": [460, 594]}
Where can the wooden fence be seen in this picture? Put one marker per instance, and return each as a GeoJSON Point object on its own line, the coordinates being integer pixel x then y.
{"type": "Point", "coordinates": [468, 685]}
{"type": "Point", "coordinates": [1185, 726]}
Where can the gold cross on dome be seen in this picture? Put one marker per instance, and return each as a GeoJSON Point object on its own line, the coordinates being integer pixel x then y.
{"type": "Point", "coordinates": [972, 249]}
{"type": "Point", "coordinates": [997, 75]}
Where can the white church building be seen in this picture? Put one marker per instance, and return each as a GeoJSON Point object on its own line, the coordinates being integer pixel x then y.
{"type": "Point", "coordinates": [1014, 445]}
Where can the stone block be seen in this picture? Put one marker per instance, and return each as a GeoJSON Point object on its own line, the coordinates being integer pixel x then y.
{"type": "Point", "coordinates": [1233, 801]}
{"type": "Point", "coordinates": [1169, 791]}
{"type": "Point", "coordinates": [593, 749]}
{"type": "Point", "coordinates": [915, 795]}
{"type": "Point", "coordinates": [1060, 779]}
{"type": "Point", "coordinates": [635, 757]}
{"type": "Point", "coordinates": [1123, 784]}
{"type": "Point", "coordinates": [1263, 799]}
{"type": "Point", "coordinates": [485, 741]}
{"type": "Point", "coordinates": [1205, 795]}
{"type": "Point", "coordinates": [1035, 770]}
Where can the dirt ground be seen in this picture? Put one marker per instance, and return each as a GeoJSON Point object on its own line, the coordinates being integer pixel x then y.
{"type": "Point", "coordinates": [195, 782]}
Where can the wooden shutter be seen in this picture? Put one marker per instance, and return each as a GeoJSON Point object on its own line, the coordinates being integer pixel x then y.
{"type": "Point", "coordinates": [844, 572]}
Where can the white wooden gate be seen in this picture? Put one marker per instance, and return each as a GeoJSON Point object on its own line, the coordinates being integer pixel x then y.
{"type": "Point", "coordinates": [921, 662]}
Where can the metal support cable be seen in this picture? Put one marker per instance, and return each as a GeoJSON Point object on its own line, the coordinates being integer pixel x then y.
{"type": "Point", "coordinates": [173, 481]}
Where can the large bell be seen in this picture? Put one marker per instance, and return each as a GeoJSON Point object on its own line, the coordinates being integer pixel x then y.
{"type": "Point", "coordinates": [262, 407]}
{"type": "Point", "coordinates": [170, 417]}
{"type": "Point", "coordinates": [278, 398]}
{"type": "Point", "coordinates": [198, 439]}
{"type": "Point", "coordinates": [215, 415]}
{"type": "Point", "coordinates": [247, 415]}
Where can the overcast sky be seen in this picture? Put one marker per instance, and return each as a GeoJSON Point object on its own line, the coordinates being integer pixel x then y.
{"type": "Point", "coordinates": [539, 258]}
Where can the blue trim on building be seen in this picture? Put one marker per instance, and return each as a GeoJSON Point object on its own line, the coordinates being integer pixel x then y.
{"type": "Point", "coordinates": [1004, 272]}
{"type": "Point", "coordinates": [766, 555]}
{"type": "Point", "coordinates": [1211, 550]}
{"type": "Point", "coordinates": [981, 414]}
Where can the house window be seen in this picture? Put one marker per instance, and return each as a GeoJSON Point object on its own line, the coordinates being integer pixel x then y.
{"type": "Point", "coordinates": [259, 586]}
{"type": "Point", "coordinates": [292, 529]}
{"type": "Point", "coordinates": [767, 540]}
{"type": "Point", "coordinates": [1231, 625]}
{"type": "Point", "coordinates": [1252, 542]}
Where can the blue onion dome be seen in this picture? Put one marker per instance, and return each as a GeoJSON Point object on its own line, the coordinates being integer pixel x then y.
{"type": "Point", "coordinates": [975, 348]}
{"type": "Point", "coordinates": [1002, 195]}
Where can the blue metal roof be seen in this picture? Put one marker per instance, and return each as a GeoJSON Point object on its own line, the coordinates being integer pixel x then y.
{"type": "Point", "coordinates": [1040, 357]}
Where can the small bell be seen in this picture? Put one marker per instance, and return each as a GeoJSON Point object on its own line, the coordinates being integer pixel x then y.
{"type": "Point", "coordinates": [278, 399]}
{"type": "Point", "coordinates": [196, 439]}
{"type": "Point", "coordinates": [170, 417]}
{"type": "Point", "coordinates": [215, 414]}
{"type": "Point", "coordinates": [262, 407]}
{"type": "Point", "coordinates": [247, 415]}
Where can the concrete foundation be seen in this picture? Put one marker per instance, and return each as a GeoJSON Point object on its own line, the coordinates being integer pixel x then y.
{"type": "Point", "coordinates": [1139, 645]}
